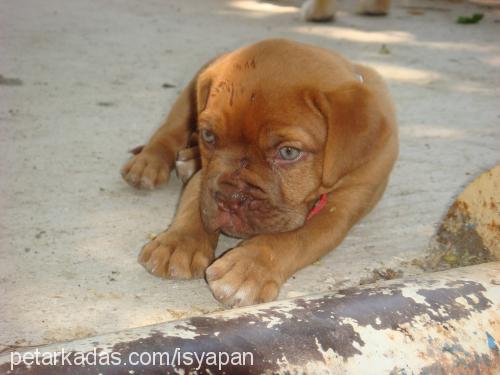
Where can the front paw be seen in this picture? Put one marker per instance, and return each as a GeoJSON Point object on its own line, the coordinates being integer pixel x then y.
{"type": "Point", "coordinates": [244, 276]}
{"type": "Point", "coordinates": [146, 170]}
{"type": "Point", "coordinates": [177, 255]}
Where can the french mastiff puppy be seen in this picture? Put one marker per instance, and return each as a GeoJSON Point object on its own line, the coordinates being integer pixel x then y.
{"type": "Point", "coordinates": [296, 145]}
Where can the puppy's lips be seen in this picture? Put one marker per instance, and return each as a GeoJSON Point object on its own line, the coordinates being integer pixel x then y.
{"type": "Point", "coordinates": [230, 223]}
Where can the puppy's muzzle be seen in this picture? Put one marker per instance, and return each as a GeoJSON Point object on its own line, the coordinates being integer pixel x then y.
{"type": "Point", "coordinates": [232, 194]}
{"type": "Point", "coordinates": [231, 203]}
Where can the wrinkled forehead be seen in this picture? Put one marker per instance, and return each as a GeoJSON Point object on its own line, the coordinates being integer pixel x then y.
{"type": "Point", "coordinates": [243, 108]}
{"type": "Point", "coordinates": [244, 104]}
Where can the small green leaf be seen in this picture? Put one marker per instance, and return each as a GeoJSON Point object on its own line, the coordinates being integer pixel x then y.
{"type": "Point", "coordinates": [450, 259]}
{"type": "Point", "coordinates": [466, 20]}
{"type": "Point", "coordinates": [384, 50]}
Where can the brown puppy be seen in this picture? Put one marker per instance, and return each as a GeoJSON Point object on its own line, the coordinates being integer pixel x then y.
{"type": "Point", "coordinates": [282, 126]}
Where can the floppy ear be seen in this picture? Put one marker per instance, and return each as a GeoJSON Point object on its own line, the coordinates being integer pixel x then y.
{"type": "Point", "coordinates": [356, 127]}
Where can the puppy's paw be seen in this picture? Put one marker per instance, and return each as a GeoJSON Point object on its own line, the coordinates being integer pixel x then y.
{"type": "Point", "coordinates": [244, 276]}
{"type": "Point", "coordinates": [146, 170]}
{"type": "Point", "coordinates": [177, 255]}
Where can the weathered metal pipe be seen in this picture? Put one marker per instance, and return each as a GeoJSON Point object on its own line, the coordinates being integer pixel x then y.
{"type": "Point", "coordinates": [445, 323]}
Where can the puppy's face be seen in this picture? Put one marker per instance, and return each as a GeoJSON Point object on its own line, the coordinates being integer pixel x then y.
{"type": "Point", "coordinates": [279, 124]}
{"type": "Point", "coordinates": [261, 147]}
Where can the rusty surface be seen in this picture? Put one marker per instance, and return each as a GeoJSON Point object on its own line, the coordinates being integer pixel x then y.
{"type": "Point", "coordinates": [445, 322]}
{"type": "Point", "coordinates": [470, 231]}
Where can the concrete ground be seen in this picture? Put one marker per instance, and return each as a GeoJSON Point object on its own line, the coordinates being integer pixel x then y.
{"type": "Point", "coordinates": [82, 82]}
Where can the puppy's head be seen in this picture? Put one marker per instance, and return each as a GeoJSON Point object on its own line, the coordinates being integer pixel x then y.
{"type": "Point", "coordinates": [272, 134]}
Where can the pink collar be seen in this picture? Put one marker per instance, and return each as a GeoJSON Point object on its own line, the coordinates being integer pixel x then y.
{"type": "Point", "coordinates": [318, 206]}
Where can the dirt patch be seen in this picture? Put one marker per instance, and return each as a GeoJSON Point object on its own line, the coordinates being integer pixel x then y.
{"type": "Point", "coordinates": [381, 274]}
{"type": "Point", "coordinates": [4, 81]}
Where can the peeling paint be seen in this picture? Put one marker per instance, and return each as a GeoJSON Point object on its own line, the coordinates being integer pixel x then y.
{"type": "Point", "coordinates": [435, 323]}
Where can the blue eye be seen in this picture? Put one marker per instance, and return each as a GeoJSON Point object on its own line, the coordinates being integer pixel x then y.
{"type": "Point", "coordinates": [289, 153]}
{"type": "Point", "coordinates": [208, 136]}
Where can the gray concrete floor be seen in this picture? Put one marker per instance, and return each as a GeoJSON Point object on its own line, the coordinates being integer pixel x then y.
{"type": "Point", "coordinates": [82, 83]}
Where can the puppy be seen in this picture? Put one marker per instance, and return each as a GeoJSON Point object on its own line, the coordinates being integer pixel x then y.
{"type": "Point", "coordinates": [324, 10]}
{"type": "Point", "coordinates": [296, 145]}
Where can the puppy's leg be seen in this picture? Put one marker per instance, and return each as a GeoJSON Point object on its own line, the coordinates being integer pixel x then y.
{"type": "Point", "coordinates": [152, 165]}
{"type": "Point", "coordinates": [374, 7]}
{"type": "Point", "coordinates": [319, 10]}
{"type": "Point", "coordinates": [254, 271]}
{"type": "Point", "coordinates": [186, 249]}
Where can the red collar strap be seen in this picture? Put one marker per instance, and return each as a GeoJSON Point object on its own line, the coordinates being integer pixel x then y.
{"type": "Point", "coordinates": [318, 206]}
